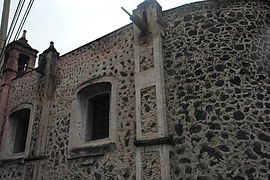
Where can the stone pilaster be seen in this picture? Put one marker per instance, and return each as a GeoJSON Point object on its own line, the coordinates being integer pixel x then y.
{"type": "Point", "coordinates": [47, 62]}
{"type": "Point", "coordinates": [151, 127]}
{"type": "Point", "coordinates": [47, 67]}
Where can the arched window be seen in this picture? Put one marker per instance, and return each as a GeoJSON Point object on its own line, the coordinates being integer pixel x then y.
{"type": "Point", "coordinates": [93, 117]}
{"type": "Point", "coordinates": [18, 121]}
{"type": "Point", "coordinates": [94, 104]}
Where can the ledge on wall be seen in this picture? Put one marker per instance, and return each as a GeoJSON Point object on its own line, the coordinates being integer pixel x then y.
{"type": "Point", "coordinates": [20, 159]}
{"type": "Point", "coordinates": [90, 151]}
{"type": "Point", "coordinates": [156, 141]}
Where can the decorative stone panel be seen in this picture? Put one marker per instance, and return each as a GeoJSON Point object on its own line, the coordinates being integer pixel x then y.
{"type": "Point", "coordinates": [149, 111]}
{"type": "Point", "coordinates": [29, 171]}
{"type": "Point", "coordinates": [13, 172]}
{"type": "Point", "coordinates": [151, 169]}
{"type": "Point", "coordinates": [146, 52]}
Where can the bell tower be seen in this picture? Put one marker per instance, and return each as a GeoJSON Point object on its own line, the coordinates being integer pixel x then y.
{"type": "Point", "coordinates": [20, 59]}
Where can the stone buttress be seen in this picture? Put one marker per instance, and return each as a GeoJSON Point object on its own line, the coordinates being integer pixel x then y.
{"type": "Point", "coordinates": [152, 142]}
{"type": "Point", "coordinates": [47, 66]}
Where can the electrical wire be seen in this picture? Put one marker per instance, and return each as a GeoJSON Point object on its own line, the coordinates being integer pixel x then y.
{"type": "Point", "coordinates": [24, 19]}
{"type": "Point", "coordinates": [16, 20]}
{"type": "Point", "coordinates": [13, 25]}
{"type": "Point", "coordinates": [11, 28]}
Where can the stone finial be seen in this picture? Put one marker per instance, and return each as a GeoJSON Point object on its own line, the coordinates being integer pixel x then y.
{"type": "Point", "coordinates": [23, 39]}
{"type": "Point", "coordinates": [24, 34]}
{"type": "Point", "coordinates": [51, 44]}
{"type": "Point", "coordinates": [51, 48]}
{"type": "Point", "coordinates": [50, 56]}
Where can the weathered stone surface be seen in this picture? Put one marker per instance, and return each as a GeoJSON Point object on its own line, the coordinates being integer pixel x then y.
{"type": "Point", "coordinates": [228, 75]}
{"type": "Point", "coordinates": [149, 111]}
{"type": "Point", "coordinates": [146, 52]}
{"type": "Point", "coordinates": [217, 74]}
{"type": "Point", "coordinates": [110, 56]}
{"type": "Point", "coordinates": [151, 165]}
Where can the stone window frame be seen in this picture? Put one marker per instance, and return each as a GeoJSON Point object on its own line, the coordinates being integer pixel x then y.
{"type": "Point", "coordinates": [6, 153]}
{"type": "Point", "coordinates": [77, 126]}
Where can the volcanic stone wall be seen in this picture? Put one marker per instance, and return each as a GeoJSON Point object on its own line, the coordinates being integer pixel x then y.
{"type": "Point", "coordinates": [217, 73]}
{"type": "Point", "coordinates": [24, 91]}
{"type": "Point", "coordinates": [110, 56]}
{"type": "Point", "coordinates": [217, 61]}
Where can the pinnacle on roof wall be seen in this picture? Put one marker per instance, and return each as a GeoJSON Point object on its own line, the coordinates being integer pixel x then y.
{"type": "Point", "coordinates": [51, 48]}
{"type": "Point", "coordinates": [24, 34]}
{"type": "Point", "coordinates": [146, 3]}
{"type": "Point", "coordinates": [23, 39]}
{"type": "Point", "coordinates": [23, 42]}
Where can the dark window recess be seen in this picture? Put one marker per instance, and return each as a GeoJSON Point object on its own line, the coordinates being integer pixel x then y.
{"type": "Point", "coordinates": [98, 117]}
{"type": "Point", "coordinates": [20, 121]}
{"type": "Point", "coordinates": [94, 107]}
{"type": "Point", "coordinates": [22, 64]}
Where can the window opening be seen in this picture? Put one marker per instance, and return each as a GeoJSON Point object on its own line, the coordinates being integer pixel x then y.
{"type": "Point", "coordinates": [19, 122]}
{"type": "Point", "coordinates": [94, 104]}
{"type": "Point", "coordinates": [98, 117]}
{"type": "Point", "coordinates": [22, 64]}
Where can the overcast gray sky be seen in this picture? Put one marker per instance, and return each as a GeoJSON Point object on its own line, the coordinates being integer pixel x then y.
{"type": "Point", "coordinates": [73, 23]}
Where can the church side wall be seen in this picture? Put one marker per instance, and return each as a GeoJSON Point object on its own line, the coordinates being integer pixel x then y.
{"type": "Point", "coordinates": [217, 77]}
{"type": "Point", "coordinates": [112, 57]}
{"type": "Point", "coordinates": [24, 92]}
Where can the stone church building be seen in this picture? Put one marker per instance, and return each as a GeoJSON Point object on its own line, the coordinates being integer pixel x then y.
{"type": "Point", "coordinates": [176, 94]}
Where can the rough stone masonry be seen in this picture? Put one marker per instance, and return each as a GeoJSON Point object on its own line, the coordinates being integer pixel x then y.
{"type": "Point", "coordinates": [189, 99]}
